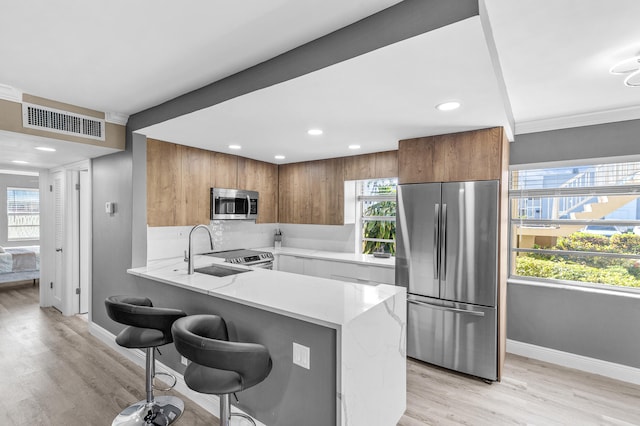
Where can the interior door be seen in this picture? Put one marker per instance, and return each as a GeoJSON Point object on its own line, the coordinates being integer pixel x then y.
{"type": "Point", "coordinates": [84, 236]}
{"type": "Point", "coordinates": [417, 238]}
{"type": "Point", "coordinates": [57, 287]}
{"type": "Point", "coordinates": [469, 242]}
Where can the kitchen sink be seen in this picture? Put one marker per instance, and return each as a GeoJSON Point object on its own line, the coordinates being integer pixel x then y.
{"type": "Point", "coordinates": [220, 271]}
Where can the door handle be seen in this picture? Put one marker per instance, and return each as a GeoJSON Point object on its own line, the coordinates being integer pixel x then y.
{"type": "Point", "coordinates": [443, 242]}
{"type": "Point", "coordinates": [446, 308]}
{"type": "Point", "coordinates": [59, 249]}
{"type": "Point", "coordinates": [436, 237]}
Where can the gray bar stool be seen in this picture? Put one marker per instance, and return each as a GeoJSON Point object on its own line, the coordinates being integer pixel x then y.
{"type": "Point", "coordinates": [149, 327]}
{"type": "Point", "coordinates": [218, 366]}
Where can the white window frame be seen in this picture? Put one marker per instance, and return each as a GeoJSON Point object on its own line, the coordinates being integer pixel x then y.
{"type": "Point", "coordinates": [361, 218]}
{"type": "Point", "coordinates": [9, 226]}
{"type": "Point", "coordinates": [569, 191]}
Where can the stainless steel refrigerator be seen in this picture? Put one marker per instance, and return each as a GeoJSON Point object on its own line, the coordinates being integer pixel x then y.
{"type": "Point", "coordinates": [447, 258]}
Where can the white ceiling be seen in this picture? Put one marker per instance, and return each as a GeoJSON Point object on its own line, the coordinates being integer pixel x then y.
{"type": "Point", "coordinates": [118, 56]}
{"type": "Point", "coordinates": [556, 56]}
{"type": "Point", "coordinates": [373, 101]}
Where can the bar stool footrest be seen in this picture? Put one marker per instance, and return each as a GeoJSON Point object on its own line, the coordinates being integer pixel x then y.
{"type": "Point", "coordinates": [171, 386]}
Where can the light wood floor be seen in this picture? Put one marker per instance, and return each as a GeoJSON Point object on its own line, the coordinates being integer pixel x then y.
{"type": "Point", "coordinates": [53, 372]}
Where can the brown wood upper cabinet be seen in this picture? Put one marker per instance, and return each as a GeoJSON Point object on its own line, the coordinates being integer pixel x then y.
{"type": "Point", "coordinates": [312, 192]}
{"type": "Point", "coordinates": [371, 166]}
{"type": "Point", "coordinates": [455, 157]}
{"type": "Point", "coordinates": [180, 178]}
{"type": "Point", "coordinates": [164, 183]}
{"type": "Point", "coordinates": [262, 177]}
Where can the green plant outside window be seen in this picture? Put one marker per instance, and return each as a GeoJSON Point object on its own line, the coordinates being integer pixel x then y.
{"type": "Point", "coordinates": [378, 212]}
{"type": "Point", "coordinates": [577, 225]}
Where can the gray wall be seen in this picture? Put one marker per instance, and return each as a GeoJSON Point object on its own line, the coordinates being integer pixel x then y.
{"type": "Point", "coordinates": [15, 181]}
{"type": "Point", "coordinates": [290, 395]}
{"type": "Point", "coordinates": [588, 323]}
{"type": "Point", "coordinates": [579, 143]}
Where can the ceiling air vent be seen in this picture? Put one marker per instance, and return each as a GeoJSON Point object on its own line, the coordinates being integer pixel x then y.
{"type": "Point", "coordinates": [68, 123]}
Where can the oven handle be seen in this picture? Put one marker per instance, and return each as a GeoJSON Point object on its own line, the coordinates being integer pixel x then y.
{"type": "Point", "coordinates": [261, 265]}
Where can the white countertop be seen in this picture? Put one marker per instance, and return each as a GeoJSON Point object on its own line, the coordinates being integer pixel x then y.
{"type": "Point", "coordinates": [365, 259]}
{"type": "Point", "coordinates": [318, 300]}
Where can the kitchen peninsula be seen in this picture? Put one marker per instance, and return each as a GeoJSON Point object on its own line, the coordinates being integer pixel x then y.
{"type": "Point", "coordinates": [356, 335]}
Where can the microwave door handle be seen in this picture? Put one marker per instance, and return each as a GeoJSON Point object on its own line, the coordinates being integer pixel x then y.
{"type": "Point", "coordinates": [248, 207]}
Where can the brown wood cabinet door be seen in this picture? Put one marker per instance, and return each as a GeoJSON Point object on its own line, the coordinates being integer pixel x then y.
{"type": "Point", "coordinates": [293, 205]}
{"type": "Point", "coordinates": [386, 164]}
{"type": "Point", "coordinates": [196, 172]}
{"type": "Point", "coordinates": [312, 192]}
{"type": "Point", "coordinates": [359, 167]}
{"type": "Point", "coordinates": [224, 170]}
{"type": "Point", "coordinates": [371, 166]}
{"type": "Point", "coordinates": [326, 191]}
{"type": "Point", "coordinates": [164, 183]}
{"type": "Point", "coordinates": [419, 161]}
{"type": "Point", "coordinates": [456, 157]}
{"type": "Point", "coordinates": [262, 177]}
{"type": "Point", "coordinates": [475, 155]}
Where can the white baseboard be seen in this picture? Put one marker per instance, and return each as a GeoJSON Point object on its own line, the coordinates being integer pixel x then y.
{"type": "Point", "coordinates": [579, 362]}
{"type": "Point", "coordinates": [210, 403]}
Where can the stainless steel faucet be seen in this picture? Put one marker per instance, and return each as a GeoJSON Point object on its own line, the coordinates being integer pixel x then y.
{"type": "Point", "coordinates": [190, 255]}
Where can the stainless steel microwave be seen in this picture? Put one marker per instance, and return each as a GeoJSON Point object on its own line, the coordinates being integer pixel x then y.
{"type": "Point", "coordinates": [233, 204]}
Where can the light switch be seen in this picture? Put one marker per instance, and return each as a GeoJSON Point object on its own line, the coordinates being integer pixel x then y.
{"type": "Point", "coordinates": [109, 207]}
{"type": "Point", "coordinates": [301, 356]}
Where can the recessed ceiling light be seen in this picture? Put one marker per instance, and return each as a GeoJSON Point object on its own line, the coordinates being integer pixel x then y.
{"type": "Point", "coordinates": [45, 148]}
{"type": "Point", "coordinates": [279, 157]}
{"type": "Point", "coordinates": [19, 162]}
{"type": "Point", "coordinates": [235, 147]}
{"type": "Point", "coordinates": [448, 106]}
{"type": "Point", "coordinates": [315, 132]}
{"type": "Point", "coordinates": [354, 146]}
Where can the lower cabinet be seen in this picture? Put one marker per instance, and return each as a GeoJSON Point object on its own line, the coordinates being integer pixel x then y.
{"type": "Point", "coordinates": [335, 270]}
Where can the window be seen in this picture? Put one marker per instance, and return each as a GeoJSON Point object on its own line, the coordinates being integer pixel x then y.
{"type": "Point", "coordinates": [577, 224]}
{"type": "Point", "coordinates": [376, 200]}
{"type": "Point", "coordinates": [23, 214]}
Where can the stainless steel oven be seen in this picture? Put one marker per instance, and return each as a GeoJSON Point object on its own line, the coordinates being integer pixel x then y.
{"type": "Point", "coordinates": [253, 258]}
{"type": "Point", "coordinates": [233, 204]}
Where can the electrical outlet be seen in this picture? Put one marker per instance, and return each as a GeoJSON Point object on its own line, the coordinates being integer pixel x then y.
{"type": "Point", "coordinates": [184, 361]}
{"type": "Point", "coordinates": [301, 356]}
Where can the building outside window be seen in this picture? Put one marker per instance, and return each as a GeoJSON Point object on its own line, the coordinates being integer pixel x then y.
{"type": "Point", "coordinates": [23, 214]}
{"type": "Point", "coordinates": [376, 200]}
{"type": "Point", "coordinates": [577, 225]}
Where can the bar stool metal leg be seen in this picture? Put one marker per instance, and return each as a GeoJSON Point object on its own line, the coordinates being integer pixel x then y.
{"type": "Point", "coordinates": [225, 411]}
{"type": "Point", "coordinates": [157, 411]}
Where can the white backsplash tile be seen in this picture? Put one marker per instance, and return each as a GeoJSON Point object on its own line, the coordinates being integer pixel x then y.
{"type": "Point", "coordinates": [172, 241]}
{"type": "Point", "coordinates": [339, 238]}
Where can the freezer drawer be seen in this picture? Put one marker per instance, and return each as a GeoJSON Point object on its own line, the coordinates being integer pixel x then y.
{"type": "Point", "coordinates": [457, 336]}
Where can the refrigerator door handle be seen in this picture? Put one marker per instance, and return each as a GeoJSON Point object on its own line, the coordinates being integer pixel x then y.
{"type": "Point", "coordinates": [443, 243]}
{"type": "Point", "coordinates": [436, 236]}
{"type": "Point", "coordinates": [446, 308]}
